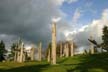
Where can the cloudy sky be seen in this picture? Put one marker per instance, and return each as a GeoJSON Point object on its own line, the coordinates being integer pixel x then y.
{"type": "Point", "coordinates": [31, 20]}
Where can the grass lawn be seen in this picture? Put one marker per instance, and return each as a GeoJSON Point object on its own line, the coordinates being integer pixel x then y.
{"type": "Point", "coordinates": [79, 63]}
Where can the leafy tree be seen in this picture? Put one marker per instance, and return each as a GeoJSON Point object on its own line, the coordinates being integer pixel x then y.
{"type": "Point", "coordinates": [105, 38]}
{"type": "Point", "coordinates": [2, 50]}
{"type": "Point", "coordinates": [13, 48]}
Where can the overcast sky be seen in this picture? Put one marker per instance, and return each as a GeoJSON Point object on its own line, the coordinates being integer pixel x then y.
{"type": "Point", "coordinates": [31, 20]}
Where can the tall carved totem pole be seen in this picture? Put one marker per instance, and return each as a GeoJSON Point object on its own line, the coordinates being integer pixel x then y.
{"type": "Point", "coordinates": [40, 51]}
{"type": "Point", "coordinates": [53, 56]}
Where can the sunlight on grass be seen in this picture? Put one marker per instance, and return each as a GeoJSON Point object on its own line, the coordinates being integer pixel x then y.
{"type": "Point", "coordinates": [80, 63]}
{"type": "Point", "coordinates": [96, 70]}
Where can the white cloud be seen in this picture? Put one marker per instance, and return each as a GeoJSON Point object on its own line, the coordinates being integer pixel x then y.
{"type": "Point", "coordinates": [76, 16]}
{"type": "Point", "coordinates": [58, 2]}
{"type": "Point", "coordinates": [56, 19]}
{"type": "Point", "coordinates": [29, 19]}
{"type": "Point", "coordinates": [71, 1]}
{"type": "Point", "coordinates": [88, 4]}
{"type": "Point", "coordinates": [94, 28]}
{"type": "Point", "coordinates": [105, 14]}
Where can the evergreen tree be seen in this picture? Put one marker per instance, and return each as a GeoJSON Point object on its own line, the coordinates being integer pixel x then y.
{"type": "Point", "coordinates": [2, 50]}
{"type": "Point", "coordinates": [105, 38]}
{"type": "Point", "coordinates": [13, 48]}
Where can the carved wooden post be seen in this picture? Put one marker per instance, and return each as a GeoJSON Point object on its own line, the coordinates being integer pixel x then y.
{"type": "Point", "coordinates": [18, 52]}
{"type": "Point", "coordinates": [64, 50]}
{"type": "Point", "coordinates": [67, 50]}
{"type": "Point", "coordinates": [15, 56]}
{"type": "Point", "coordinates": [49, 55]}
{"type": "Point", "coordinates": [72, 49]}
{"type": "Point", "coordinates": [61, 49]}
{"type": "Point", "coordinates": [24, 54]}
{"type": "Point", "coordinates": [92, 47]}
{"type": "Point", "coordinates": [18, 56]}
{"type": "Point", "coordinates": [53, 56]}
{"type": "Point", "coordinates": [21, 52]}
{"type": "Point", "coordinates": [40, 51]}
{"type": "Point", "coordinates": [32, 53]}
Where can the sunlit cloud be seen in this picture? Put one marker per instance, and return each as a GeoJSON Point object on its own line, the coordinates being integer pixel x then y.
{"type": "Point", "coordinates": [56, 19]}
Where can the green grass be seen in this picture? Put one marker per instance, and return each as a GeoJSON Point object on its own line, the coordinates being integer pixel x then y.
{"type": "Point", "coordinates": [79, 63]}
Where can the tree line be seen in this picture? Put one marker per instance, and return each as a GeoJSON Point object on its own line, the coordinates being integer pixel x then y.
{"type": "Point", "coordinates": [3, 51]}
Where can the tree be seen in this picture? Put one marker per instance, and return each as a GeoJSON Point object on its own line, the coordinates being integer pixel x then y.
{"type": "Point", "coordinates": [105, 38]}
{"type": "Point", "coordinates": [13, 49]}
{"type": "Point", "coordinates": [2, 50]}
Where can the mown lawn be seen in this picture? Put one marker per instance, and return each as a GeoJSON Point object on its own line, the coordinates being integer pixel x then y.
{"type": "Point", "coordinates": [79, 63]}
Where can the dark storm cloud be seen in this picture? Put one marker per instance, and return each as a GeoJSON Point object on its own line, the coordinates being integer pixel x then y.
{"type": "Point", "coordinates": [28, 19]}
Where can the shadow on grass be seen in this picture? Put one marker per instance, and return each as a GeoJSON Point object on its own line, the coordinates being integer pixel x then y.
{"type": "Point", "coordinates": [92, 63]}
{"type": "Point", "coordinates": [33, 68]}
{"type": "Point", "coordinates": [63, 60]}
{"type": "Point", "coordinates": [86, 63]}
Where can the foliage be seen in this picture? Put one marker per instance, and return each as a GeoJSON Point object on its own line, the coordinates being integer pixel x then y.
{"type": "Point", "coordinates": [105, 38]}
{"type": "Point", "coordinates": [2, 50]}
{"type": "Point", "coordinates": [13, 49]}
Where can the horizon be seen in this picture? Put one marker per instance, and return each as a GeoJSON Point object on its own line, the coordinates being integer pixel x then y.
{"type": "Point", "coordinates": [31, 20]}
